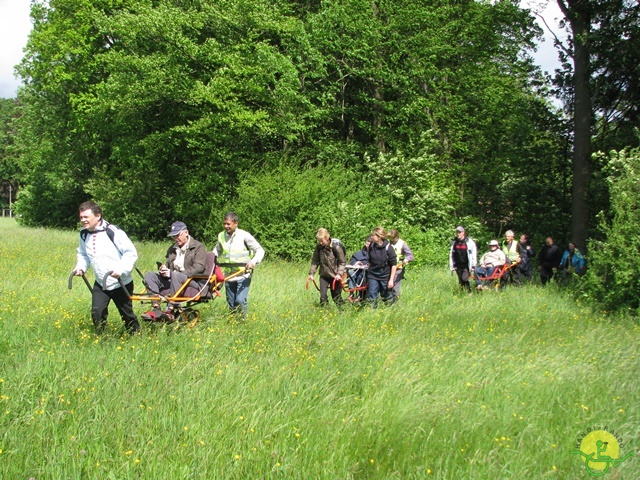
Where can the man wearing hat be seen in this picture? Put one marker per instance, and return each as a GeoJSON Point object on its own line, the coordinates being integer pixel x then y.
{"type": "Point", "coordinates": [489, 261]}
{"type": "Point", "coordinates": [463, 256]}
{"type": "Point", "coordinates": [185, 258]}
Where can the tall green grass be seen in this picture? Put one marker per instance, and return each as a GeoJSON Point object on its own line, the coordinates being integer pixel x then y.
{"type": "Point", "coordinates": [442, 385]}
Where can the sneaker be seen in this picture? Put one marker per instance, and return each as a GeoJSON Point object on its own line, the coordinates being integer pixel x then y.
{"type": "Point", "coordinates": [152, 315]}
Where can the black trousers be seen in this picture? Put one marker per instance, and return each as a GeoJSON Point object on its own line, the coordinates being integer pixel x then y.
{"type": "Point", "coordinates": [463, 277]}
{"type": "Point", "coordinates": [546, 274]}
{"type": "Point", "coordinates": [336, 292]}
{"type": "Point", "coordinates": [515, 275]}
{"type": "Point", "coordinates": [100, 307]}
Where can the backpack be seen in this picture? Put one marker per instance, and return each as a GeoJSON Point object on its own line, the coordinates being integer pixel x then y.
{"type": "Point", "coordinates": [336, 243]}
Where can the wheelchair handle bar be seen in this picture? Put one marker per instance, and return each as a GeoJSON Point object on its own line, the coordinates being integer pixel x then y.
{"type": "Point", "coordinates": [104, 283]}
{"type": "Point", "coordinates": [306, 285]}
{"type": "Point", "coordinates": [84, 277]}
{"type": "Point", "coordinates": [357, 267]}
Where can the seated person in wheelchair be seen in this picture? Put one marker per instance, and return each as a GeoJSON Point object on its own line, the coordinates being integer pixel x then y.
{"type": "Point", "coordinates": [185, 258]}
{"type": "Point", "coordinates": [356, 276]}
{"type": "Point", "coordinates": [489, 261]}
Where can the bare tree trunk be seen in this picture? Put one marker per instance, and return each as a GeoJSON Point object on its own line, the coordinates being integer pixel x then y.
{"type": "Point", "coordinates": [577, 12]}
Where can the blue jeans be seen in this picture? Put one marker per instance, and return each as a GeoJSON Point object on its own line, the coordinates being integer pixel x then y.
{"type": "Point", "coordinates": [237, 295]}
{"type": "Point", "coordinates": [379, 287]}
{"type": "Point", "coordinates": [483, 272]}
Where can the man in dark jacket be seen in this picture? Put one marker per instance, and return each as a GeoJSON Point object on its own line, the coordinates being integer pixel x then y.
{"type": "Point", "coordinates": [548, 260]}
{"type": "Point", "coordinates": [185, 258]}
{"type": "Point", "coordinates": [463, 256]}
{"type": "Point", "coordinates": [382, 268]}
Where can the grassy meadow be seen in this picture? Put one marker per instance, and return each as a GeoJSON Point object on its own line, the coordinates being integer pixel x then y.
{"type": "Point", "coordinates": [443, 385]}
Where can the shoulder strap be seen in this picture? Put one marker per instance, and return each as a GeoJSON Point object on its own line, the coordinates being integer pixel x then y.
{"type": "Point", "coordinates": [337, 242]}
{"type": "Point", "coordinates": [111, 233]}
{"type": "Point", "coordinates": [110, 230]}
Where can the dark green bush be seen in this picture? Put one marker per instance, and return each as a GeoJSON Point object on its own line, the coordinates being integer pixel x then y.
{"type": "Point", "coordinates": [284, 207]}
{"type": "Point", "coordinates": [613, 278]}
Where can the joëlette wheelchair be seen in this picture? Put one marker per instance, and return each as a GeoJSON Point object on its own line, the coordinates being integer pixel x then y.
{"type": "Point", "coordinates": [194, 291]}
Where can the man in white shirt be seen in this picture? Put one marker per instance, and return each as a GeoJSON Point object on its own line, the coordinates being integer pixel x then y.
{"type": "Point", "coordinates": [112, 255]}
{"type": "Point", "coordinates": [489, 261]}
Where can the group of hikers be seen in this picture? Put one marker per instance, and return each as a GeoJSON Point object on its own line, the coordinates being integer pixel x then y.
{"type": "Point", "coordinates": [374, 272]}
{"type": "Point", "coordinates": [512, 258]}
{"type": "Point", "coordinates": [109, 251]}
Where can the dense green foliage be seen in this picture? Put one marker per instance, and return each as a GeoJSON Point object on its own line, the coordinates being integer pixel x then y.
{"type": "Point", "coordinates": [163, 110]}
{"type": "Point", "coordinates": [287, 205]}
{"type": "Point", "coordinates": [9, 170]}
{"type": "Point", "coordinates": [614, 46]}
{"type": "Point", "coordinates": [442, 385]}
{"type": "Point", "coordinates": [616, 67]}
{"type": "Point", "coordinates": [613, 279]}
